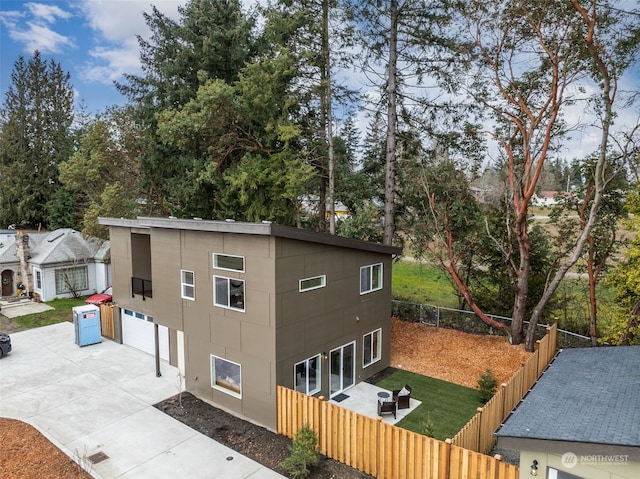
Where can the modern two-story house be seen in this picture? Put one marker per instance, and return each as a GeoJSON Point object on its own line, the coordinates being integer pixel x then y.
{"type": "Point", "coordinates": [243, 307]}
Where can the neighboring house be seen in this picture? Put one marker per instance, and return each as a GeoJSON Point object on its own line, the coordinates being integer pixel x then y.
{"type": "Point", "coordinates": [55, 264]}
{"type": "Point", "coordinates": [582, 418]}
{"type": "Point", "coordinates": [243, 307]}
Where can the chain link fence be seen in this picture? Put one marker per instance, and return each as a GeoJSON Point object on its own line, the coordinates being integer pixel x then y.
{"type": "Point", "coordinates": [469, 322]}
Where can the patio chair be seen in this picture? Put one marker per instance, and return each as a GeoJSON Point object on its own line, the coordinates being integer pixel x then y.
{"type": "Point", "coordinates": [389, 406]}
{"type": "Point", "coordinates": [402, 397]}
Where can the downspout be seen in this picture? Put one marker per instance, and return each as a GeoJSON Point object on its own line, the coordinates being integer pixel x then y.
{"type": "Point", "coordinates": [157, 338]}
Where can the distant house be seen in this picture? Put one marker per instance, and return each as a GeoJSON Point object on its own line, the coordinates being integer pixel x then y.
{"type": "Point", "coordinates": [55, 264]}
{"type": "Point", "coordinates": [240, 308]}
{"type": "Point", "coordinates": [581, 420]}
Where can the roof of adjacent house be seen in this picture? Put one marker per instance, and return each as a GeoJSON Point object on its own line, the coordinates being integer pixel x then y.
{"type": "Point", "coordinates": [589, 395]}
{"type": "Point", "coordinates": [265, 228]}
{"type": "Point", "coordinates": [63, 245]}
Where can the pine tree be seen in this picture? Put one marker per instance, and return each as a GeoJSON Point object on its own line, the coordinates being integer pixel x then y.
{"type": "Point", "coordinates": [35, 138]}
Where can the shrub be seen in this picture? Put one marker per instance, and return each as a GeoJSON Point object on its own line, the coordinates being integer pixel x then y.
{"type": "Point", "coordinates": [304, 453]}
{"type": "Point", "coordinates": [487, 385]}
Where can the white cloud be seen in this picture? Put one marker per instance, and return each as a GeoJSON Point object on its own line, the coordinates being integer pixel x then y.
{"type": "Point", "coordinates": [40, 37]}
{"type": "Point", "coordinates": [47, 13]}
{"type": "Point", "coordinates": [115, 26]}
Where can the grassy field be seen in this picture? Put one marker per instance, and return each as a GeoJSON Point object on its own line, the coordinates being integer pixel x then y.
{"type": "Point", "coordinates": [61, 312]}
{"type": "Point", "coordinates": [421, 283]}
{"type": "Point", "coordinates": [446, 406]}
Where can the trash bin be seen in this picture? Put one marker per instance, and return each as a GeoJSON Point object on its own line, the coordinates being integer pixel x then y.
{"type": "Point", "coordinates": [86, 320]}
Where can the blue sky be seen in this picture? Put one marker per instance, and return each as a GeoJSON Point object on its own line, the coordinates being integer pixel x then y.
{"type": "Point", "coordinates": [94, 40]}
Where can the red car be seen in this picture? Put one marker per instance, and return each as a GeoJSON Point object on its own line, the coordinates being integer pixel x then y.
{"type": "Point", "coordinates": [100, 298]}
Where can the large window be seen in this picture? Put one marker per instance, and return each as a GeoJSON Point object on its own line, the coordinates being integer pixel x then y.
{"type": "Point", "coordinates": [70, 280]}
{"type": "Point", "coordinates": [372, 347]}
{"type": "Point", "coordinates": [316, 282]}
{"type": "Point", "coordinates": [228, 293]}
{"type": "Point", "coordinates": [226, 376]}
{"type": "Point", "coordinates": [307, 375]}
{"type": "Point", "coordinates": [370, 278]}
{"type": "Point", "coordinates": [188, 284]}
{"type": "Point", "coordinates": [228, 262]}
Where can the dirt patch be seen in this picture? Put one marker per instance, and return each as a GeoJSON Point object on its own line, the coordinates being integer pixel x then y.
{"type": "Point", "coordinates": [8, 325]}
{"type": "Point", "coordinates": [452, 355]}
{"type": "Point", "coordinates": [27, 454]}
{"type": "Point", "coordinates": [255, 442]}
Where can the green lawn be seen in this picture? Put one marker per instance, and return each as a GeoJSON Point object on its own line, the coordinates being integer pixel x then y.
{"type": "Point", "coordinates": [422, 283]}
{"type": "Point", "coordinates": [448, 406]}
{"type": "Point", "coordinates": [60, 313]}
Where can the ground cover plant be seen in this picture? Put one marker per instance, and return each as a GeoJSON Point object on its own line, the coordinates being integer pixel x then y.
{"type": "Point", "coordinates": [446, 407]}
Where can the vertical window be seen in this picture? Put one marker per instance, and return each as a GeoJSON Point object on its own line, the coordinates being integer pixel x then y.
{"type": "Point", "coordinates": [188, 284]}
{"type": "Point", "coordinates": [228, 293]}
{"type": "Point", "coordinates": [313, 283]}
{"type": "Point", "coordinates": [71, 280]}
{"type": "Point", "coordinates": [372, 347]}
{"type": "Point", "coordinates": [370, 278]}
{"type": "Point", "coordinates": [226, 376]}
{"type": "Point", "coordinates": [228, 262]}
{"type": "Point", "coordinates": [307, 375]}
{"type": "Point", "coordinates": [38, 279]}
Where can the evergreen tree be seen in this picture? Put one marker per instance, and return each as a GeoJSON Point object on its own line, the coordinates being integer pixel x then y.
{"type": "Point", "coordinates": [35, 138]}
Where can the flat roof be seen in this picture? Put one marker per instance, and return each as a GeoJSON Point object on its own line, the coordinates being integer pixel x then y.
{"type": "Point", "coordinates": [239, 227]}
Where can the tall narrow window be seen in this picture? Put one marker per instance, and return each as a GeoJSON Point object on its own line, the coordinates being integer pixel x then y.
{"type": "Point", "coordinates": [228, 293]}
{"type": "Point", "coordinates": [188, 284]}
{"type": "Point", "coordinates": [226, 376]}
{"type": "Point", "coordinates": [370, 278]}
{"type": "Point", "coordinates": [307, 375]}
{"type": "Point", "coordinates": [372, 347]}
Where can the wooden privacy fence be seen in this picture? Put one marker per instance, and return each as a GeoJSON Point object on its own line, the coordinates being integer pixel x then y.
{"type": "Point", "coordinates": [477, 434]}
{"type": "Point", "coordinates": [106, 321]}
{"type": "Point", "coordinates": [380, 449]}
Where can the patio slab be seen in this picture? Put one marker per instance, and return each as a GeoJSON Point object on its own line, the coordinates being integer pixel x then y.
{"type": "Point", "coordinates": [363, 399]}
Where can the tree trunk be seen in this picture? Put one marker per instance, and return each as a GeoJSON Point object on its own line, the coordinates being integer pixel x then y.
{"type": "Point", "coordinates": [392, 125]}
{"type": "Point", "coordinates": [608, 95]}
{"type": "Point", "coordinates": [522, 282]}
{"type": "Point", "coordinates": [327, 116]}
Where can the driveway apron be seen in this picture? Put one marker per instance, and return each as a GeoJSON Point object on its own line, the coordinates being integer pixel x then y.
{"type": "Point", "coordinates": [99, 399]}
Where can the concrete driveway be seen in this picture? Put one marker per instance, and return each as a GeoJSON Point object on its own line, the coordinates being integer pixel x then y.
{"type": "Point", "coordinates": [99, 398]}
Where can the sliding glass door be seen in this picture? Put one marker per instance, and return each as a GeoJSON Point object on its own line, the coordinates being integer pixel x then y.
{"type": "Point", "coordinates": [342, 368]}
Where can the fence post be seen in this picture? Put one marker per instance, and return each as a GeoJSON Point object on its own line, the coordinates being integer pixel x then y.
{"type": "Point", "coordinates": [479, 412]}
{"type": "Point", "coordinates": [447, 456]}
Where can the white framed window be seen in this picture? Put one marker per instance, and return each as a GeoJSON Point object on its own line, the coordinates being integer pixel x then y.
{"type": "Point", "coordinates": [226, 376]}
{"type": "Point", "coordinates": [38, 275]}
{"type": "Point", "coordinates": [228, 262]}
{"type": "Point", "coordinates": [228, 293]}
{"type": "Point", "coordinates": [70, 280]}
{"type": "Point", "coordinates": [307, 377]}
{"type": "Point", "coordinates": [316, 282]}
{"type": "Point", "coordinates": [371, 347]}
{"type": "Point", "coordinates": [370, 278]}
{"type": "Point", "coordinates": [188, 284]}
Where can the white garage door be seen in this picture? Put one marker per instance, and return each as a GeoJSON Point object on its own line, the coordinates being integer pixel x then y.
{"type": "Point", "coordinates": [137, 331]}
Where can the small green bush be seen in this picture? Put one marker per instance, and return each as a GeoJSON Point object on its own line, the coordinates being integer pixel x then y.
{"type": "Point", "coordinates": [487, 385]}
{"type": "Point", "coordinates": [304, 453]}
{"type": "Point", "coordinates": [427, 427]}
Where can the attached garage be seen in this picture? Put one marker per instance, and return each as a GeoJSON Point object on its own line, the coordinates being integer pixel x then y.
{"type": "Point", "coordinates": [138, 332]}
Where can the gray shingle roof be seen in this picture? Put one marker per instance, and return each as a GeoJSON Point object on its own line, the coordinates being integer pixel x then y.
{"type": "Point", "coordinates": [63, 245]}
{"type": "Point", "coordinates": [589, 395]}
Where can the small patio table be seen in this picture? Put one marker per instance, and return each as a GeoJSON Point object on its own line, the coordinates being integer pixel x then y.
{"type": "Point", "coordinates": [383, 395]}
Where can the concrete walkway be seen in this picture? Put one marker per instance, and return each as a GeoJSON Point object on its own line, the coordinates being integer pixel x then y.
{"type": "Point", "coordinates": [98, 399]}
